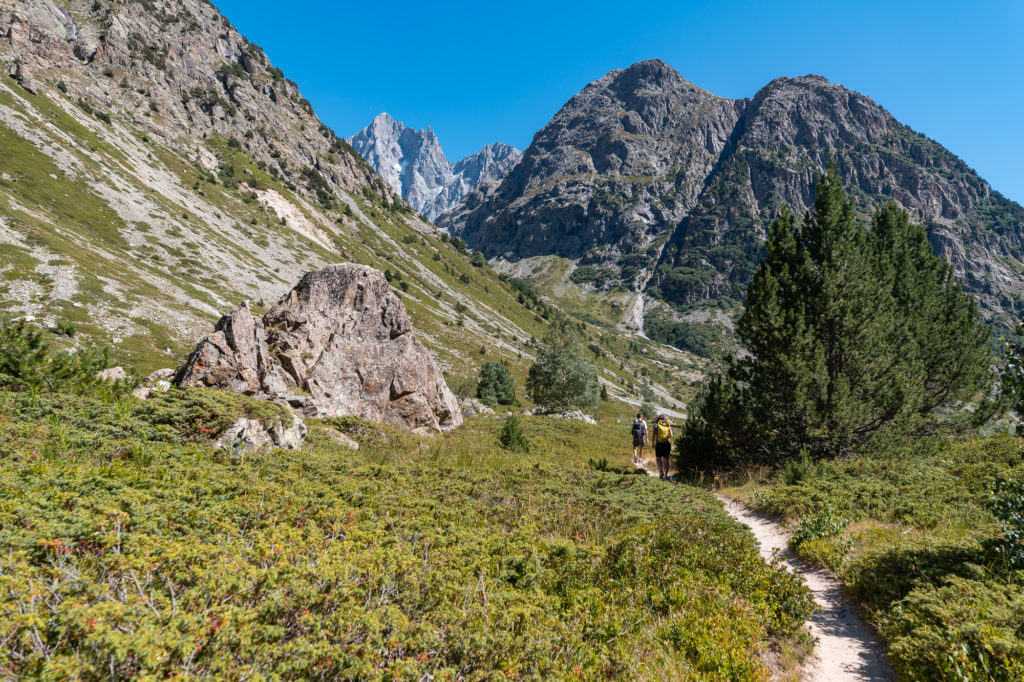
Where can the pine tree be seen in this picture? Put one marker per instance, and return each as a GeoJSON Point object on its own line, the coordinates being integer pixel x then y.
{"type": "Point", "coordinates": [495, 386]}
{"type": "Point", "coordinates": [849, 332]}
{"type": "Point", "coordinates": [27, 362]}
{"type": "Point", "coordinates": [511, 437]}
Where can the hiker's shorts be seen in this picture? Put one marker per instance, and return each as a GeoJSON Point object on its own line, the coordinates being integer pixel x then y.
{"type": "Point", "coordinates": [638, 441]}
{"type": "Point", "coordinates": [662, 449]}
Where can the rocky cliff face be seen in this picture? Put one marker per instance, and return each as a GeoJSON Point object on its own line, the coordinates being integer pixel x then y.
{"type": "Point", "coordinates": [413, 164]}
{"type": "Point", "coordinates": [179, 71]}
{"type": "Point", "coordinates": [670, 188]}
{"type": "Point", "coordinates": [344, 340]}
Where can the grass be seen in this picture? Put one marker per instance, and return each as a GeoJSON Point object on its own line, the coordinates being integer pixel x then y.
{"type": "Point", "coordinates": [131, 547]}
{"type": "Point", "coordinates": [919, 550]}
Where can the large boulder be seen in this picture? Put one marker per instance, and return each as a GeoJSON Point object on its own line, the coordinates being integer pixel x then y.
{"type": "Point", "coordinates": [341, 337]}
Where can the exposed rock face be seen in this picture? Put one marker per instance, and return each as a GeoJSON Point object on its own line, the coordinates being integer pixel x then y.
{"type": "Point", "coordinates": [342, 336]}
{"type": "Point", "coordinates": [485, 166]}
{"type": "Point", "coordinates": [183, 59]}
{"type": "Point", "coordinates": [413, 164]}
{"type": "Point", "coordinates": [20, 73]}
{"type": "Point", "coordinates": [672, 188]}
{"type": "Point", "coordinates": [251, 434]}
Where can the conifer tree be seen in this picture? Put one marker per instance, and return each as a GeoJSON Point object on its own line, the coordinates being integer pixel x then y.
{"type": "Point", "coordinates": [27, 363]}
{"type": "Point", "coordinates": [495, 385]}
{"type": "Point", "coordinates": [850, 331]}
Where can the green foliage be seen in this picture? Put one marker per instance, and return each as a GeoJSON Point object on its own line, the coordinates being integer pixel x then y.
{"type": "Point", "coordinates": [1007, 504]}
{"type": "Point", "coordinates": [320, 186]}
{"type": "Point", "coordinates": [478, 259]}
{"type": "Point", "coordinates": [495, 386]}
{"type": "Point", "coordinates": [1013, 373]}
{"type": "Point", "coordinates": [143, 550]}
{"type": "Point", "coordinates": [562, 378]}
{"type": "Point", "coordinates": [696, 337]}
{"type": "Point", "coordinates": [852, 333]}
{"type": "Point", "coordinates": [511, 436]}
{"type": "Point", "coordinates": [827, 523]}
{"type": "Point", "coordinates": [587, 274]}
{"type": "Point", "coordinates": [796, 470]}
{"type": "Point", "coordinates": [27, 363]}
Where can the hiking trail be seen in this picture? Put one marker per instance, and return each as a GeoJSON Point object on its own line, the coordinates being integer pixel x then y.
{"type": "Point", "coordinates": [847, 648]}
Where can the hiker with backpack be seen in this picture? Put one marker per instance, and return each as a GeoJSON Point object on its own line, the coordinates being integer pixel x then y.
{"type": "Point", "coordinates": [639, 432]}
{"type": "Point", "coordinates": [662, 444]}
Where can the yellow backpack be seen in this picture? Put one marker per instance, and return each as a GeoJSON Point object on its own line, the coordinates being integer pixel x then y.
{"type": "Point", "coordinates": [661, 431]}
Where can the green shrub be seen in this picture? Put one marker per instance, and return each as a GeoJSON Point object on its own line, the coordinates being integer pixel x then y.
{"type": "Point", "coordinates": [1007, 504]}
{"type": "Point", "coordinates": [796, 470]}
{"type": "Point", "coordinates": [928, 553]}
{"type": "Point", "coordinates": [27, 363]}
{"type": "Point", "coordinates": [826, 524]}
{"type": "Point", "coordinates": [144, 550]}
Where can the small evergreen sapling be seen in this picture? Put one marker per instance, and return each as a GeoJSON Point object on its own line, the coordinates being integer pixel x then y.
{"type": "Point", "coordinates": [511, 436]}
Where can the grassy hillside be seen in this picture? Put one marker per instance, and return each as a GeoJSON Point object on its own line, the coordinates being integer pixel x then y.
{"type": "Point", "coordinates": [115, 238]}
{"type": "Point", "coordinates": [132, 547]}
{"type": "Point", "coordinates": [910, 535]}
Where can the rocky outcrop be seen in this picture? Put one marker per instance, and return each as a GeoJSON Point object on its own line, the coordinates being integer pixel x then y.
{"type": "Point", "coordinates": [342, 338]}
{"type": "Point", "coordinates": [23, 75]}
{"type": "Point", "coordinates": [669, 189]}
{"type": "Point", "coordinates": [414, 165]}
{"type": "Point", "coordinates": [254, 435]}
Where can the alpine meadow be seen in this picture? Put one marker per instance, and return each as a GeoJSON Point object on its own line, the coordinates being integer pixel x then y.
{"type": "Point", "coordinates": [283, 403]}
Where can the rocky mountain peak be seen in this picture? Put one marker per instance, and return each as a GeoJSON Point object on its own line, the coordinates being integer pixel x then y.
{"type": "Point", "coordinates": [414, 165]}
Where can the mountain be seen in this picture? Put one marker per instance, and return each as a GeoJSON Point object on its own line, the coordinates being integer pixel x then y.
{"type": "Point", "coordinates": [660, 186]}
{"type": "Point", "coordinates": [157, 171]}
{"type": "Point", "coordinates": [413, 164]}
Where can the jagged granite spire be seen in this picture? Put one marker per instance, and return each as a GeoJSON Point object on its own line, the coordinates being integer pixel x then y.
{"type": "Point", "coordinates": [413, 163]}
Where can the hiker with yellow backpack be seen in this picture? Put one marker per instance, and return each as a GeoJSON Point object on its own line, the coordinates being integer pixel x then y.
{"type": "Point", "coordinates": [661, 437]}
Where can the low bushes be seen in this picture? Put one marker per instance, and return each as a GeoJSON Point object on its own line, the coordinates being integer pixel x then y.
{"type": "Point", "coordinates": [134, 548]}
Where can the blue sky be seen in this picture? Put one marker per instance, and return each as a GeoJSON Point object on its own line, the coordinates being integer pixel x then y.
{"type": "Point", "coordinates": [483, 71]}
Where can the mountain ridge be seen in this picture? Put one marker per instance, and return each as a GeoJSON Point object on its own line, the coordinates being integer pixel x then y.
{"type": "Point", "coordinates": [669, 187]}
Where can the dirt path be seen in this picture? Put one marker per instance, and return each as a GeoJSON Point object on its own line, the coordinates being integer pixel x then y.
{"type": "Point", "coordinates": [847, 648]}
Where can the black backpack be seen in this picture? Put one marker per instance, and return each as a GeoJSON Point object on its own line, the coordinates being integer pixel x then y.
{"type": "Point", "coordinates": [638, 429]}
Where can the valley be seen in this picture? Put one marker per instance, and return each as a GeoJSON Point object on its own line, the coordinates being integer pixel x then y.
{"type": "Point", "coordinates": [280, 402]}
